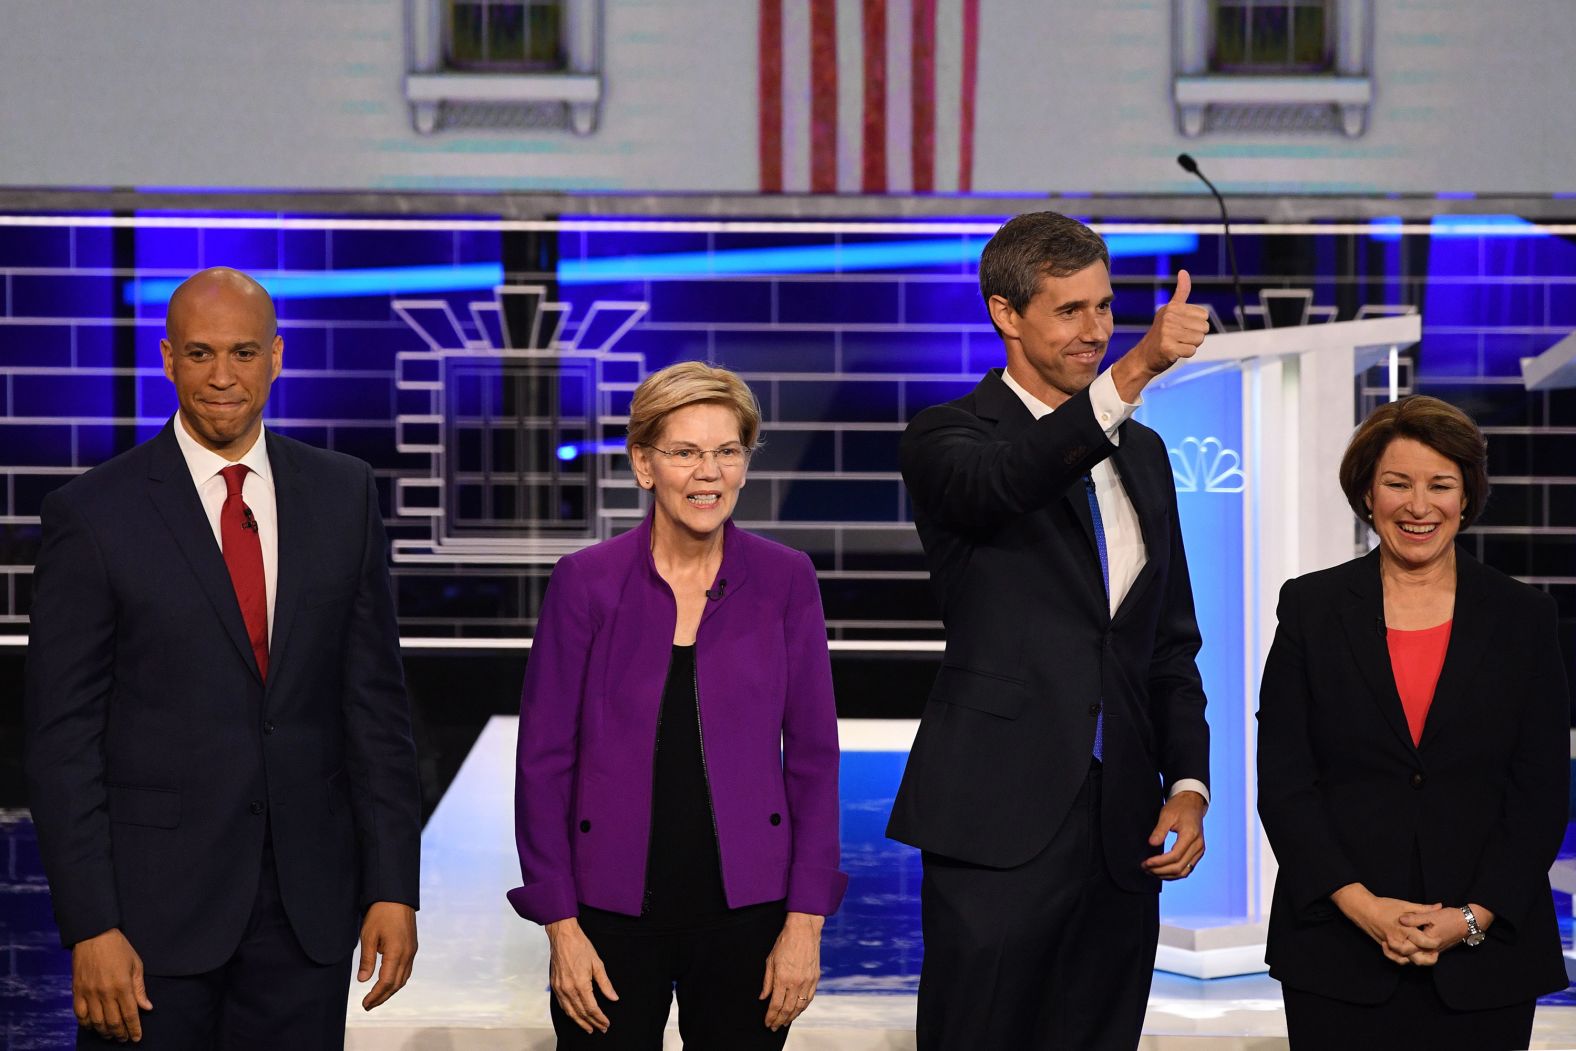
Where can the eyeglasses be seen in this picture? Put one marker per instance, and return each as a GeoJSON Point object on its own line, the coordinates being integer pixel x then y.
{"type": "Point", "coordinates": [688, 457]}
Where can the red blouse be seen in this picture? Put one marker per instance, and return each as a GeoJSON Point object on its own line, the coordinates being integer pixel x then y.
{"type": "Point", "coordinates": [1416, 658]}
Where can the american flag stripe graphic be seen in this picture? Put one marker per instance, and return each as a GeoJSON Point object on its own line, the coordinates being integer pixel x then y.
{"type": "Point", "coordinates": [868, 96]}
{"type": "Point", "coordinates": [873, 122]}
{"type": "Point", "coordinates": [771, 95]}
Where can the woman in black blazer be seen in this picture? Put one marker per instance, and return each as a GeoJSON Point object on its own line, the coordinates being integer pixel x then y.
{"type": "Point", "coordinates": [1413, 765]}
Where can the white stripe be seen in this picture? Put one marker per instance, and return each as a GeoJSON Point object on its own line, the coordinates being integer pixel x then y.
{"type": "Point", "coordinates": [796, 96]}
{"type": "Point", "coordinates": [750, 226]}
{"type": "Point", "coordinates": [876, 735]}
{"type": "Point", "coordinates": [850, 95]}
{"type": "Point", "coordinates": [949, 92]}
{"type": "Point", "coordinates": [899, 100]}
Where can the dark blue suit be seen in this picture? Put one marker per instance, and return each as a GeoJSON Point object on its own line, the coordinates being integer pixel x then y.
{"type": "Point", "coordinates": [158, 761]}
{"type": "Point", "coordinates": [1040, 921]}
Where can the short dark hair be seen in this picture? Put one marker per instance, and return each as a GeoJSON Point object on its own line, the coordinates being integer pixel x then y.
{"type": "Point", "coordinates": [1031, 246]}
{"type": "Point", "coordinates": [1435, 423]}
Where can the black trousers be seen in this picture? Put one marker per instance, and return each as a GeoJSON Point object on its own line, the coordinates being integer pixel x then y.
{"type": "Point", "coordinates": [269, 995]}
{"type": "Point", "coordinates": [1050, 954]}
{"type": "Point", "coordinates": [1414, 1017]}
{"type": "Point", "coordinates": [716, 972]}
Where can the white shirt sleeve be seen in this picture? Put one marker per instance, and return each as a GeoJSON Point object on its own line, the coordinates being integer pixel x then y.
{"type": "Point", "coordinates": [1110, 411]}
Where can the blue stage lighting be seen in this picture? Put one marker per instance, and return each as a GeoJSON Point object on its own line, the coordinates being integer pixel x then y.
{"type": "Point", "coordinates": [568, 452]}
{"type": "Point", "coordinates": [377, 281]}
{"type": "Point", "coordinates": [806, 259]}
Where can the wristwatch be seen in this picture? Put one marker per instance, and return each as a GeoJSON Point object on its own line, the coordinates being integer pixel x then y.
{"type": "Point", "coordinates": [1475, 933]}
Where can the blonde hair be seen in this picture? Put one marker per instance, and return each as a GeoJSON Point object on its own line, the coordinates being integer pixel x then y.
{"type": "Point", "coordinates": [690, 383]}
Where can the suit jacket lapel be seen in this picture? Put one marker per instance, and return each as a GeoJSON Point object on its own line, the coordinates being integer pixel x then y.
{"type": "Point", "coordinates": [1363, 621]}
{"type": "Point", "coordinates": [293, 510]}
{"type": "Point", "coordinates": [1471, 635]}
{"type": "Point", "coordinates": [177, 502]}
{"type": "Point", "coordinates": [994, 400]}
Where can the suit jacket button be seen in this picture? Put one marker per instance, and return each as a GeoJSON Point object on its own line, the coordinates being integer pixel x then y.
{"type": "Point", "coordinates": [776, 819]}
{"type": "Point", "coordinates": [1418, 780]}
{"type": "Point", "coordinates": [268, 728]}
{"type": "Point", "coordinates": [585, 826]}
{"type": "Point", "coordinates": [1094, 709]}
{"type": "Point", "coordinates": [256, 807]}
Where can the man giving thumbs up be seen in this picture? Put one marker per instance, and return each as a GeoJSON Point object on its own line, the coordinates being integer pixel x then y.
{"type": "Point", "coordinates": [1064, 740]}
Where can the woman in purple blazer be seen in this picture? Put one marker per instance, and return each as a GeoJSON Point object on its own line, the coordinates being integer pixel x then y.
{"type": "Point", "coordinates": [676, 789]}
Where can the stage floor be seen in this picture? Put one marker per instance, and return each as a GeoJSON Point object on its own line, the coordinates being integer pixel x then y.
{"type": "Point", "coordinates": [481, 978]}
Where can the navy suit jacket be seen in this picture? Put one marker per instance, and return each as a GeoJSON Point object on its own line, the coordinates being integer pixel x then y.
{"type": "Point", "coordinates": [157, 757]}
{"type": "Point", "coordinates": [1033, 651]}
{"type": "Point", "coordinates": [1474, 813]}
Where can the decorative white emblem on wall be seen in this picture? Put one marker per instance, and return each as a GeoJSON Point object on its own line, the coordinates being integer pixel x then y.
{"type": "Point", "coordinates": [1205, 465]}
{"type": "Point", "coordinates": [513, 422]}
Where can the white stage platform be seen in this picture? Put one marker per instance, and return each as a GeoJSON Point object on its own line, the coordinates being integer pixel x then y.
{"type": "Point", "coordinates": [480, 982]}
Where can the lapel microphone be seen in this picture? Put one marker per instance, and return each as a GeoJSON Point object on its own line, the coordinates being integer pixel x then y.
{"type": "Point", "coordinates": [247, 520]}
{"type": "Point", "coordinates": [714, 594]}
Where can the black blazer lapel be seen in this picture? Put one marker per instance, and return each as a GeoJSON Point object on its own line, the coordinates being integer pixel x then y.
{"type": "Point", "coordinates": [1471, 635]}
{"type": "Point", "coordinates": [293, 507]}
{"type": "Point", "coordinates": [176, 500]}
{"type": "Point", "coordinates": [1363, 621]}
{"type": "Point", "coordinates": [994, 400]}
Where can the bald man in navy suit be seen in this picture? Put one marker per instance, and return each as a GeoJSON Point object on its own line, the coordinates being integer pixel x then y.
{"type": "Point", "coordinates": [219, 756]}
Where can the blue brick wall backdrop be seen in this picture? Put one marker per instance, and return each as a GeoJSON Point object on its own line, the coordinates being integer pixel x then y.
{"type": "Point", "coordinates": [842, 334]}
{"type": "Point", "coordinates": [505, 412]}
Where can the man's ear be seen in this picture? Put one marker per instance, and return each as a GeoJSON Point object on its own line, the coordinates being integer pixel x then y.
{"type": "Point", "coordinates": [1004, 316]}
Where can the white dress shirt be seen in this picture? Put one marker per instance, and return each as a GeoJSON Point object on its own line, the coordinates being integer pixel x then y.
{"type": "Point", "coordinates": [257, 490]}
{"type": "Point", "coordinates": [1124, 538]}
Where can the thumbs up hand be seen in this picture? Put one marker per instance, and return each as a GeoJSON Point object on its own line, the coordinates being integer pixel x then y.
{"type": "Point", "coordinates": [1177, 332]}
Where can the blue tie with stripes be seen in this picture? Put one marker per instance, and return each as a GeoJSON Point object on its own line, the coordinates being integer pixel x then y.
{"type": "Point", "coordinates": [1105, 576]}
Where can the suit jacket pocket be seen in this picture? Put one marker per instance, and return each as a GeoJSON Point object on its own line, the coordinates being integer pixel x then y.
{"type": "Point", "coordinates": [993, 694]}
{"type": "Point", "coordinates": [153, 807]}
{"type": "Point", "coordinates": [338, 792]}
{"type": "Point", "coordinates": [326, 594]}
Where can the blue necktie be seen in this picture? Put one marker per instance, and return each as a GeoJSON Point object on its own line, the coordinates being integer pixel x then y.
{"type": "Point", "coordinates": [1105, 577]}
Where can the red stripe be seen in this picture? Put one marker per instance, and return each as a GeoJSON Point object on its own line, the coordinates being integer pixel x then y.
{"type": "Point", "coordinates": [771, 96]}
{"type": "Point", "coordinates": [823, 96]}
{"type": "Point", "coordinates": [873, 164]}
{"type": "Point", "coordinates": [971, 66]}
{"type": "Point", "coordinates": [923, 90]}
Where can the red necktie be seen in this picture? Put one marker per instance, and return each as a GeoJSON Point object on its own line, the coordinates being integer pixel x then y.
{"type": "Point", "coordinates": [243, 554]}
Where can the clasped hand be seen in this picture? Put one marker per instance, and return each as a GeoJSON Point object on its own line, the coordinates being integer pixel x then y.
{"type": "Point", "coordinates": [1407, 932]}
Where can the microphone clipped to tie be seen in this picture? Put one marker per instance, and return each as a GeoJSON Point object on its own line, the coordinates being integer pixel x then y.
{"type": "Point", "coordinates": [247, 519]}
{"type": "Point", "coordinates": [715, 594]}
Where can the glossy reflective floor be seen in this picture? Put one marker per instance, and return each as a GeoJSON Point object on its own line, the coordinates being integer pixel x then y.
{"type": "Point", "coordinates": [481, 978]}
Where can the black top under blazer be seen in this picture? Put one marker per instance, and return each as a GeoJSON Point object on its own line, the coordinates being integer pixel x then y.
{"type": "Point", "coordinates": [1475, 813]}
{"type": "Point", "coordinates": [157, 757]}
{"type": "Point", "coordinates": [1033, 652]}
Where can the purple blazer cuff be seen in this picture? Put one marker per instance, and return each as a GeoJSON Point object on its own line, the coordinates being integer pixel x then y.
{"type": "Point", "coordinates": [545, 902]}
{"type": "Point", "coordinates": [815, 890]}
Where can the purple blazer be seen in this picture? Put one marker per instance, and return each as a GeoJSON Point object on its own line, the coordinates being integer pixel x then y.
{"type": "Point", "coordinates": [588, 729]}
